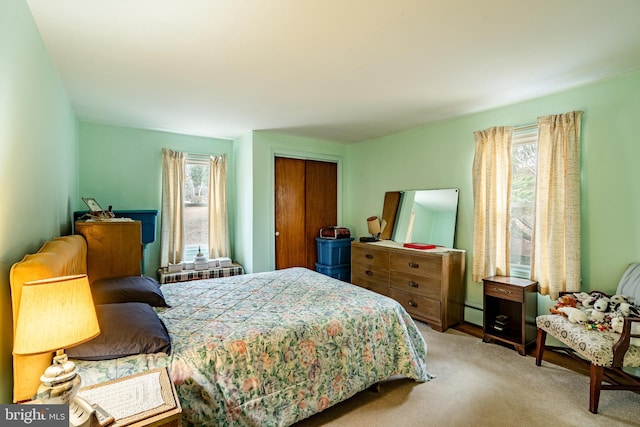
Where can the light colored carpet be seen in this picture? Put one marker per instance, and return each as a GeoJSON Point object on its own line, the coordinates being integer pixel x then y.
{"type": "Point", "coordinates": [482, 384]}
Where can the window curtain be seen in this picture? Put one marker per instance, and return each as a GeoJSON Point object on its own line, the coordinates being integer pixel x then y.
{"type": "Point", "coordinates": [218, 222]}
{"type": "Point", "coordinates": [555, 261]}
{"type": "Point", "coordinates": [491, 198]}
{"type": "Point", "coordinates": [172, 227]}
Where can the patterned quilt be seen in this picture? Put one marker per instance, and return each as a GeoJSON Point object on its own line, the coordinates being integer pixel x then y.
{"type": "Point", "coordinates": [273, 348]}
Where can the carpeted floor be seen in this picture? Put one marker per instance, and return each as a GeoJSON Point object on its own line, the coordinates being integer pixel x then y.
{"type": "Point", "coordinates": [482, 384]}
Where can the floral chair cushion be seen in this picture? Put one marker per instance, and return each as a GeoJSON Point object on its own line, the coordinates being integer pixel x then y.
{"type": "Point", "coordinates": [594, 345]}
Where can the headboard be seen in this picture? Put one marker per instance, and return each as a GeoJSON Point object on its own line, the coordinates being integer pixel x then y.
{"type": "Point", "coordinates": [62, 256]}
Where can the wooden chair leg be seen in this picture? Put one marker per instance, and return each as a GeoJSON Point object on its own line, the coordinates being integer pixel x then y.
{"type": "Point", "coordinates": [540, 340]}
{"type": "Point", "coordinates": [595, 376]}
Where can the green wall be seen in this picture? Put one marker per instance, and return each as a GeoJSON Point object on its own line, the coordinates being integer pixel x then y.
{"type": "Point", "coordinates": [122, 167]}
{"type": "Point", "coordinates": [38, 158]}
{"type": "Point", "coordinates": [243, 236]}
{"type": "Point", "coordinates": [440, 155]}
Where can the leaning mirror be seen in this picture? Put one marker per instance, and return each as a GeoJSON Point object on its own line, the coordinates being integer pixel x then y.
{"type": "Point", "coordinates": [426, 216]}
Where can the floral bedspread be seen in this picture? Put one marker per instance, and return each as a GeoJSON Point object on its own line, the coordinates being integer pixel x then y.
{"type": "Point", "coordinates": [273, 348]}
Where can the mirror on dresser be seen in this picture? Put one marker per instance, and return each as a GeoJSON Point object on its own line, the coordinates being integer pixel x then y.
{"type": "Point", "coordinates": [424, 216]}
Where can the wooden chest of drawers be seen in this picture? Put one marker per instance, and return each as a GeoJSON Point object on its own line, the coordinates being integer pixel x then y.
{"type": "Point", "coordinates": [428, 284]}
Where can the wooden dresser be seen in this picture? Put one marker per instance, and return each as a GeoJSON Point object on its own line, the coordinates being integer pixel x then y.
{"type": "Point", "coordinates": [428, 283]}
{"type": "Point", "coordinates": [114, 248]}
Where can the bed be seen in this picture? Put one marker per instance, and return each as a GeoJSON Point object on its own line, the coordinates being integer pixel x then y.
{"type": "Point", "coordinates": [270, 348]}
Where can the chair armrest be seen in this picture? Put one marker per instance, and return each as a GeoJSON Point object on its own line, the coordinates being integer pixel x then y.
{"type": "Point", "coordinates": [622, 345]}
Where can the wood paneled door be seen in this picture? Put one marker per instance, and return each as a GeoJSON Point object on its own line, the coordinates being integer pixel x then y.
{"type": "Point", "coordinates": [306, 200]}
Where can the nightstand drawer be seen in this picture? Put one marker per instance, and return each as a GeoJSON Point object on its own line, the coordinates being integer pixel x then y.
{"type": "Point", "coordinates": [512, 293]}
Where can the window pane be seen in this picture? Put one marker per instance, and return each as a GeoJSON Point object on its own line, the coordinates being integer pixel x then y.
{"type": "Point", "coordinates": [196, 201]}
{"type": "Point", "coordinates": [522, 205]}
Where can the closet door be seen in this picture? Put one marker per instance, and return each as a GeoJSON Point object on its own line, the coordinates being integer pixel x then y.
{"type": "Point", "coordinates": [306, 199]}
{"type": "Point", "coordinates": [321, 180]}
{"type": "Point", "coordinates": [289, 213]}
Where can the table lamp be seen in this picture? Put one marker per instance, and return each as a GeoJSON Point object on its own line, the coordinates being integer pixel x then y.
{"type": "Point", "coordinates": [56, 314]}
{"type": "Point", "coordinates": [375, 228]}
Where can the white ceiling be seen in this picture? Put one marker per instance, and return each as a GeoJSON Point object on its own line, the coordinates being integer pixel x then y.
{"type": "Point", "coordinates": [344, 70]}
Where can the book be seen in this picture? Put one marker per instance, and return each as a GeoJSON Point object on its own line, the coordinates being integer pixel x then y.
{"type": "Point", "coordinates": [416, 245]}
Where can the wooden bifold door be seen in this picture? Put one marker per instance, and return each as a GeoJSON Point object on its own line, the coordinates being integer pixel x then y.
{"type": "Point", "coordinates": [306, 199]}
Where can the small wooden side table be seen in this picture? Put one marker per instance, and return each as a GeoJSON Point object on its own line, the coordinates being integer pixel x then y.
{"type": "Point", "coordinates": [168, 414]}
{"type": "Point", "coordinates": [510, 310]}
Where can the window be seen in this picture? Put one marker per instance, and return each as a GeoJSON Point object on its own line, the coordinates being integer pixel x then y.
{"type": "Point", "coordinates": [196, 207]}
{"type": "Point", "coordinates": [523, 190]}
{"type": "Point", "coordinates": [547, 246]}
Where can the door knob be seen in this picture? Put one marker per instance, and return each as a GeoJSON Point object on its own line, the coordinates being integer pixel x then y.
{"type": "Point", "coordinates": [277, 233]}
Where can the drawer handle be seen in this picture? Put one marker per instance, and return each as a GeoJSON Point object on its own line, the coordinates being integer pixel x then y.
{"type": "Point", "coordinates": [504, 291]}
{"type": "Point", "coordinates": [414, 265]}
{"type": "Point", "coordinates": [413, 284]}
{"type": "Point", "coordinates": [412, 304]}
{"type": "Point", "coordinates": [369, 273]}
{"type": "Point", "coordinates": [368, 256]}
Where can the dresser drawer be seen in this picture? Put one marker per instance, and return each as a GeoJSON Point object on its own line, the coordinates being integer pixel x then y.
{"type": "Point", "coordinates": [362, 273]}
{"type": "Point", "coordinates": [369, 256]}
{"type": "Point", "coordinates": [419, 285]}
{"type": "Point", "coordinates": [417, 305]}
{"type": "Point", "coordinates": [372, 285]}
{"type": "Point", "coordinates": [511, 293]}
{"type": "Point", "coordinates": [423, 265]}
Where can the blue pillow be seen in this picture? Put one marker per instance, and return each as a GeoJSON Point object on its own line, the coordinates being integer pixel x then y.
{"type": "Point", "coordinates": [125, 329]}
{"type": "Point", "coordinates": [128, 289]}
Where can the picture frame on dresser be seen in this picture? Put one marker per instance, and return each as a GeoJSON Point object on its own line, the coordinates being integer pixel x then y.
{"type": "Point", "coordinates": [92, 204]}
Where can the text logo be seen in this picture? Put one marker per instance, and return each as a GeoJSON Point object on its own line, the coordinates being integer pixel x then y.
{"type": "Point", "coordinates": [34, 415]}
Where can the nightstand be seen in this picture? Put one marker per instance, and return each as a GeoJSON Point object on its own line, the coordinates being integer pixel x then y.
{"type": "Point", "coordinates": [510, 310]}
{"type": "Point", "coordinates": [129, 399]}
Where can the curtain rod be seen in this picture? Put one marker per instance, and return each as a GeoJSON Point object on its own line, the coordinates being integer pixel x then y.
{"type": "Point", "coordinates": [522, 128]}
{"type": "Point", "coordinates": [201, 156]}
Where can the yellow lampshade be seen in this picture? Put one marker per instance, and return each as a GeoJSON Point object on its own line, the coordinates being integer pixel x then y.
{"type": "Point", "coordinates": [55, 314]}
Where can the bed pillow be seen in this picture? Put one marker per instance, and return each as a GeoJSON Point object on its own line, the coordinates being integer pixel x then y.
{"type": "Point", "coordinates": [125, 329]}
{"type": "Point", "coordinates": [128, 289]}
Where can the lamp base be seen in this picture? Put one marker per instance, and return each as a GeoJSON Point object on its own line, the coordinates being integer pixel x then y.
{"type": "Point", "coordinates": [60, 381]}
{"type": "Point", "coordinates": [368, 239]}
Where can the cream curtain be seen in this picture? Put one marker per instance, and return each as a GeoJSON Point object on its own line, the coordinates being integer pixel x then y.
{"type": "Point", "coordinates": [555, 261]}
{"type": "Point", "coordinates": [218, 223]}
{"type": "Point", "coordinates": [491, 198]}
{"type": "Point", "coordinates": [172, 228]}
